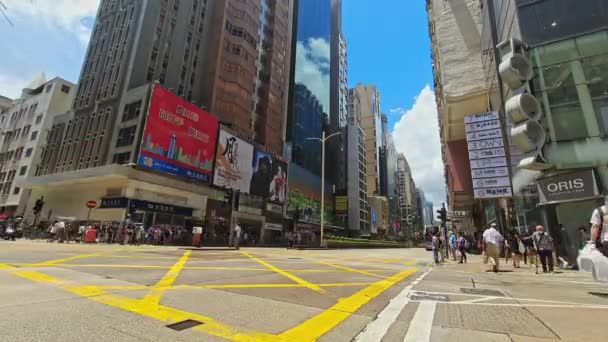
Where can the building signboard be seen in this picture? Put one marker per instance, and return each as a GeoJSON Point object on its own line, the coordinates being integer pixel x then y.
{"type": "Point", "coordinates": [341, 205]}
{"type": "Point", "coordinates": [487, 156]}
{"type": "Point", "coordinates": [233, 163]}
{"type": "Point", "coordinates": [579, 185]}
{"type": "Point", "coordinates": [178, 137]}
{"type": "Point", "coordinates": [269, 177]}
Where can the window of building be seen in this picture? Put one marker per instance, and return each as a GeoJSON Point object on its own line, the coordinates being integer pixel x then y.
{"type": "Point", "coordinates": [122, 158]}
{"type": "Point", "coordinates": [34, 135]}
{"type": "Point", "coordinates": [16, 190]}
{"type": "Point", "coordinates": [131, 111]}
{"type": "Point", "coordinates": [48, 88]}
{"type": "Point", "coordinates": [26, 130]}
{"type": "Point", "coordinates": [65, 89]}
{"type": "Point", "coordinates": [23, 170]}
{"type": "Point", "coordinates": [39, 119]}
{"type": "Point", "coordinates": [28, 152]}
{"type": "Point", "coordinates": [126, 136]}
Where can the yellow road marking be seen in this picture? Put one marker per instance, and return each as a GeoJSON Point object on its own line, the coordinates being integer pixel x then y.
{"type": "Point", "coordinates": [388, 261]}
{"type": "Point", "coordinates": [153, 297]}
{"type": "Point", "coordinates": [349, 269]}
{"type": "Point", "coordinates": [320, 324]}
{"type": "Point", "coordinates": [410, 263]}
{"type": "Point", "coordinates": [254, 286]}
{"type": "Point", "coordinates": [6, 266]}
{"type": "Point", "coordinates": [62, 260]}
{"type": "Point", "coordinates": [156, 311]}
{"type": "Point", "coordinates": [286, 274]}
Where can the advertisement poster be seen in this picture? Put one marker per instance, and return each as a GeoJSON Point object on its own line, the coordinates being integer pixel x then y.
{"type": "Point", "coordinates": [233, 163]}
{"type": "Point", "coordinates": [269, 178]}
{"type": "Point", "coordinates": [178, 138]}
{"type": "Point", "coordinates": [304, 195]}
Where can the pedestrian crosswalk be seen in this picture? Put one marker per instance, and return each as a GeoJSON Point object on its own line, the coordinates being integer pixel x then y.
{"type": "Point", "coordinates": [378, 328]}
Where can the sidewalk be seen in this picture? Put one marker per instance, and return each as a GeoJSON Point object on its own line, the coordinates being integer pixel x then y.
{"type": "Point", "coordinates": [513, 305]}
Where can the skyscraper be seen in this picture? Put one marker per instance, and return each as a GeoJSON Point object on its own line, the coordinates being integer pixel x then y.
{"type": "Point", "coordinates": [371, 123]}
{"type": "Point", "coordinates": [314, 103]}
{"type": "Point", "coordinates": [246, 67]}
{"type": "Point", "coordinates": [358, 220]}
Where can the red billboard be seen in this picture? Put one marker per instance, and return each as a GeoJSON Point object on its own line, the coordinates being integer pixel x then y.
{"type": "Point", "coordinates": [179, 137]}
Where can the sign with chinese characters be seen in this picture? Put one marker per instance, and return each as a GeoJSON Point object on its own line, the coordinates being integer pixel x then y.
{"type": "Point", "coordinates": [233, 158]}
{"type": "Point", "coordinates": [123, 202]}
{"type": "Point", "coordinates": [487, 156]}
{"type": "Point", "coordinates": [178, 138]}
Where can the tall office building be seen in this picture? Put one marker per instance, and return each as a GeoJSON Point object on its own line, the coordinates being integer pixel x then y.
{"type": "Point", "coordinates": [314, 105]}
{"type": "Point", "coordinates": [406, 189]}
{"type": "Point", "coordinates": [24, 126]}
{"type": "Point", "coordinates": [371, 123]}
{"type": "Point", "coordinates": [246, 67]}
{"type": "Point", "coordinates": [358, 220]}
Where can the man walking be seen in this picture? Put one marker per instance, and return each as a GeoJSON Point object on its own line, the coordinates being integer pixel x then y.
{"type": "Point", "coordinates": [544, 245]}
{"type": "Point", "coordinates": [436, 245]}
{"type": "Point", "coordinates": [452, 245]}
{"type": "Point", "coordinates": [462, 243]}
{"type": "Point", "coordinates": [599, 230]}
{"type": "Point", "coordinates": [237, 236]}
{"type": "Point", "coordinates": [492, 241]}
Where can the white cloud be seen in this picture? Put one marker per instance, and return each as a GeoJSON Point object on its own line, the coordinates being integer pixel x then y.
{"type": "Point", "coordinates": [396, 110]}
{"type": "Point", "coordinates": [312, 68]}
{"type": "Point", "coordinates": [11, 86]}
{"type": "Point", "coordinates": [65, 14]}
{"type": "Point", "coordinates": [416, 135]}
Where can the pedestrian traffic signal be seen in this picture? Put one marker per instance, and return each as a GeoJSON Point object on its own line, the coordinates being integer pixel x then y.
{"type": "Point", "coordinates": [443, 215]}
{"type": "Point", "coordinates": [228, 198]}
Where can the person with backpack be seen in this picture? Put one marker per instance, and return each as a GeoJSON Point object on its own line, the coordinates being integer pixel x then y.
{"type": "Point", "coordinates": [599, 229]}
{"type": "Point", "coordinates": [544, 246]}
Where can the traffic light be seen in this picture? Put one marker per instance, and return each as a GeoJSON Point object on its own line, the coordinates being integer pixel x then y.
{"type": "Point", "coordinates": [523, 108]}
{"type": "Point", "coordinates": [228, 198]}
{"type": "Point", "coordinates": [443, 215]}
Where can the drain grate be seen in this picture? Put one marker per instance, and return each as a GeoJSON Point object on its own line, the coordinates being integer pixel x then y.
{"type": "Point", "coordinates": [482, 292]}
{"type": "Point", "coordinates": [183, 325]}
{"type": "Point", "coordinates": [428, 297]}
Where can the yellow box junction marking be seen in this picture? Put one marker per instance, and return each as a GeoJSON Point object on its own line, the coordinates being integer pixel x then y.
{"type": "Point", "coordinates": [286, 274]}
{"type": "Point", "coordinates": [320, 324]}
{"type": "Point", "coordinates": [6, 266]}
{"type": "Point", "coordinates": [344, 268]}
{"type": "Point", "coordinates": [153, 297]}
{"type": "Point", "coordinates": [62, 260]}
{"type": "Point", "coordinates": [309, 330]}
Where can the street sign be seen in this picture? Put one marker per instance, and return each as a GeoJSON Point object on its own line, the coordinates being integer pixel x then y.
{"type": "Point", "coordinates": [458, 213]}
{"type": "Point", "coordinates": [91, 204]}
{"type": "Point", "coordinates": [487, 156]}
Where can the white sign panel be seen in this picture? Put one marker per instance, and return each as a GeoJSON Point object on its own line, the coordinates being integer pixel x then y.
{"type": "Point", "coordinates": [493, 172]}
{"type": "Point", "coordinates": [487, 156]}
{"type": "Point", "coordinates": [483, 135]}
{"type": "Point", "coordinates": [493, 192]}
{"type": "Point", "coordinates": [491, 182]}
{"type": "Point", "coordinates": [233, 169]}
{"type": "Point", "coordinates": [481, 117]}
{"type": "Point", "coordinates": [487, 163]}
{"type": "Point", "coordinates": [487, 143]}
{"type": "Point", "coordinates": [487, 153]}
{"type": "Point", "coordinates": [482, 126]}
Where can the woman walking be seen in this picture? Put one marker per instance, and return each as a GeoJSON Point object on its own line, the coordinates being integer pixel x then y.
{"type": "Point", "coordinates": [517, 249]}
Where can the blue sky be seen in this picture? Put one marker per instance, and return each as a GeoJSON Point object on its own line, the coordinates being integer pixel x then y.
{"type": "Point", "coordinates": [388, 45]}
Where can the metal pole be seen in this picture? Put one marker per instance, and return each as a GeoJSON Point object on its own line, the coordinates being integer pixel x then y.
{"type": "Point", "coordinates": [89, 217]}
{"type": "Point", "coordinates": [322, 186]}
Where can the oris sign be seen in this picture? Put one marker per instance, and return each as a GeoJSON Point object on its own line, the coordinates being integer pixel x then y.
{"type": "Point", "coordinates": [568, 187]}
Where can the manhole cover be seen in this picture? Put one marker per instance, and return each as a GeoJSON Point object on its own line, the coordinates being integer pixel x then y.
{"type": "Point", "coordinates": [183, 325]}
{"type": "Point", "coordinates": [429, 297]}
{"type": "Point", "coordinates": [483, 292]}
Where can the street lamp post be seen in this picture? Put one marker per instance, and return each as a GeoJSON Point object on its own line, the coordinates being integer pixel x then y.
{"type": "Point", "coordinates": [323, 139]}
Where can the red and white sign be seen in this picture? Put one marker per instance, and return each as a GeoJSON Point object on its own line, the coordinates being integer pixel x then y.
{"type": "Point", "coordinates": [91, 204]}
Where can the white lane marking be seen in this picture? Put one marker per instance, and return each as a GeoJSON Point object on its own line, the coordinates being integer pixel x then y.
{"type": "Point", "coordinates": [377, 328]}
{"type": "Point", "coordinates": [422, 323]}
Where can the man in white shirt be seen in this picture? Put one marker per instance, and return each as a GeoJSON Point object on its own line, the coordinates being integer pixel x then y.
{"type": "Point", "coordinates": [492, 241]}
{"type": "Point", "coordinates": [599, 230]}
{"type": "Point", "coordinates": [237, 236]}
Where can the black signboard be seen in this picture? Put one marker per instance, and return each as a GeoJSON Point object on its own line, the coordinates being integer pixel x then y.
{"type": "Point", "coordinates": [568, 187]}
{"type": "Point", "coordinates": [123, 202]}
{"type": "Point", "coordinates": [269, 177]}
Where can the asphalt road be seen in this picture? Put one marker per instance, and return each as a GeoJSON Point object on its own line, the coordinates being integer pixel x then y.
{"type": "Point", "coordinates": [59, 292]}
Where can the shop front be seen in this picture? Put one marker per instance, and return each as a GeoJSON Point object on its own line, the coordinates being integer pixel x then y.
{"type": "Point", "coordinates": [273, 229]}
{"type": "Point", "coordinates": [566, 202]}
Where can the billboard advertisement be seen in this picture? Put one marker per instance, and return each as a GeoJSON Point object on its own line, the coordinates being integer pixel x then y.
{"type": "Point", "coordinates": [178, 138]}
{"type": "Point", "coordinates": [233, 166]}
{"type": "Point", "coordinates": [269, 178]}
